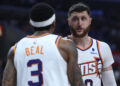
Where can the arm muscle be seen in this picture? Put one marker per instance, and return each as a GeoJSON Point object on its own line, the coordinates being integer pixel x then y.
{"type": "Point", "coordinates": [9, 75]}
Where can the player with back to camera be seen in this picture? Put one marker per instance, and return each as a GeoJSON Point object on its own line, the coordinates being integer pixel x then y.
{"type": "Point", "coordinates": [42, 59]}
{"type": "Point", "coordinates": [94, 57]}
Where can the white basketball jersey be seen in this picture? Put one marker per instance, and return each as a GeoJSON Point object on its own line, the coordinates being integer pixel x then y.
{"type": "Point", "coordinates": [39, 63]}
{"type": "Point", "coordinates": [91, 63]}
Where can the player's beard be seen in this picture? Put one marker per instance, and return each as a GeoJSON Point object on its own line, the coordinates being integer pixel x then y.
{"type": "Point", "coordinates": [74, 33]}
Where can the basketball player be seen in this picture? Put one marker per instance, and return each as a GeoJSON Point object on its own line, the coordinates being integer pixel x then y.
{"type": "Point", "coordinates": [94, 57]}
{"type": "Point", "coordinates": [42, 59]}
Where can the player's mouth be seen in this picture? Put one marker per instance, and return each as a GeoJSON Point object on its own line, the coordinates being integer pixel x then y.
{"type": "Point", "coordinates": [79, 30]}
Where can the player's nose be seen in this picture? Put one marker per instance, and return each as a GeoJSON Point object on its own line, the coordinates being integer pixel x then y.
{"type": "Point", "coordinates": [80, 22]}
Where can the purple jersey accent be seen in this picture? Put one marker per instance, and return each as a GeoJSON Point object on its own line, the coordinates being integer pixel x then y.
{"type": "Point", "coordinates": [36, 73]}
{"type": "Point", "coordinates": [99, 52]}
{"type": "Point", "coordinates": [87, 48]}
{"type": "Point", "coordinates": [89, 81]}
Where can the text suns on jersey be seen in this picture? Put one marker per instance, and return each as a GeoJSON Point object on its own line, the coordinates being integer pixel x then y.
{"type": "Point", "coordinates": [91, 67]}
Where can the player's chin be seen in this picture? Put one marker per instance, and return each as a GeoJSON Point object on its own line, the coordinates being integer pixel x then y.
{"type": "Point", "coordinates": [82, 34]}
{"type": "Point", "coordinates": [79, 33]}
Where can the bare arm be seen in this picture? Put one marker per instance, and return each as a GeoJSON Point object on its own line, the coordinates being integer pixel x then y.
{"type": "Point", "coordinates": [9, 76]}
{"type": "Point", "coordinates": [73, 69]}
{"type": "Point", "coordinates": [69, 53]}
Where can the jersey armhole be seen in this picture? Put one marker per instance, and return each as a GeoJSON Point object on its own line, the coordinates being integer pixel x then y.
{"type": "Point", "coordinates": [15, 48]}
{"type": "Point", "coordinates": [98, 46]}
{"type": "Point", "coordinates": [57, 40]}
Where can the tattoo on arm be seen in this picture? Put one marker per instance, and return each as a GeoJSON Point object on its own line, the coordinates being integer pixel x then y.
{"type": "Point", "coordinates": [9, 76]}
{"type": "Point", "coordinates": [75, 76]}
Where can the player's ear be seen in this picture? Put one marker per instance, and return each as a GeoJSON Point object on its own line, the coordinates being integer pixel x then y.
{"type": "Point", "coordinates": [30, 23]}
{"type": "Point", "coordinates": [54, 24]}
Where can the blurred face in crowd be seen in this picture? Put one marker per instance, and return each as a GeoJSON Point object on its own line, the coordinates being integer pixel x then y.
{"type": "Point", "coordinates": [79, 23]}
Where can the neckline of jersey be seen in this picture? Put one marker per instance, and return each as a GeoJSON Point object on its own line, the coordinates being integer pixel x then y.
{"type": "Point", "coordinates": [30, 36]}
{"type": "Point", "coordinates": [90, 44]}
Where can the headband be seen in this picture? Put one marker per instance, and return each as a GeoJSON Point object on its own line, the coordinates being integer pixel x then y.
{"type": "Point", "coordinates": [43, 23]}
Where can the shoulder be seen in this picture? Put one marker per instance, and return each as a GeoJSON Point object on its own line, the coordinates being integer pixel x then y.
{"type": "Point", "coordinates": [11, 53]}
{"type": "Point", "coordinates": [100, 43]}
{"type": "Point", "coordinates": [106, 54]}
{"type": "Point", "coordinates": [22, 41]}
{"type": "Point", "coordinates": [67, 49]}
{"type": "Point", "coordinates": [66, 43]}
{"type": "Point", "coordinates": [12, 50]}
{"type": "Point", "coordinates": [103, 45]}
{"type": "Point", "coordinates": [104, 48]}
{"type": "Point", "coordinates": [67, 46]}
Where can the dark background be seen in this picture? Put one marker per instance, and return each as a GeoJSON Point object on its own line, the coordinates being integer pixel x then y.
{"type": "Point", "coordinates": [14, 24]}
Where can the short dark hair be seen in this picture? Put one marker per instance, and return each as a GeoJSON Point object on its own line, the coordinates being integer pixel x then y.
{"type": "Point", "coordinates": [41, 12]}
{"type": "Point", "coordinates": [79, 7]}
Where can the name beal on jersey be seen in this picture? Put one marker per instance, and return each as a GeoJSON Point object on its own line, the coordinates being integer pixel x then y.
{"type": "Point", "coordinates": [32, 50]}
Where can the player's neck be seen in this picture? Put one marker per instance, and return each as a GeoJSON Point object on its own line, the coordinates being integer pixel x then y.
{"type": "Point", "coordinates": [37, 33]}
{"type": "Point", "coordinates": [82, 42]}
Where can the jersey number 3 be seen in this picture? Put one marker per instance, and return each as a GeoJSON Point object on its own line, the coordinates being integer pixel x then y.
{"type": "Point", "coordinates": [38, 73]}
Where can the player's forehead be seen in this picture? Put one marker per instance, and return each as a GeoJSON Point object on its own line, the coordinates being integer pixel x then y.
{"type": "Point", "coordinates": [79, 14]}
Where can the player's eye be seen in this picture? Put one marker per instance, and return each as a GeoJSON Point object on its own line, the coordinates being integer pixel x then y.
{"type": "Point", "coordinates": [83, 18]}
{"type": "Point", "coordinates": [75, 18]}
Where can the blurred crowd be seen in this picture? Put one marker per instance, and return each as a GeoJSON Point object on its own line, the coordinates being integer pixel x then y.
{"type": "Point", "coordinates": [14, 24]}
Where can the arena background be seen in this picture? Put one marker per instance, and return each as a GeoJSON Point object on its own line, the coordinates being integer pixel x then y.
{"type": "Point", "coordinates": [14, 24]}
